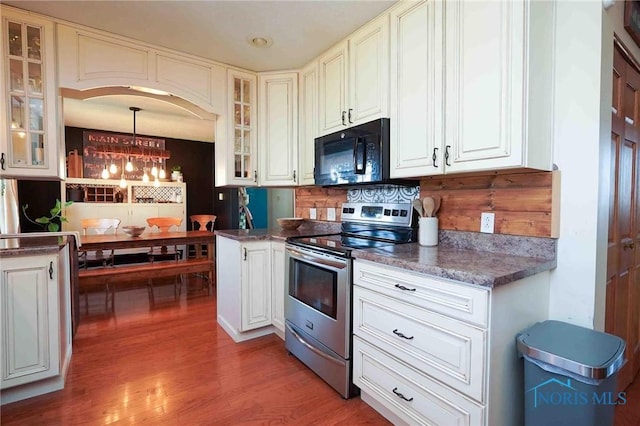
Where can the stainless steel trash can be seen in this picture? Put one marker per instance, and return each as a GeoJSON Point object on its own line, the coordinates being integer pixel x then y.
{"type": "Point", "coordinates": [570, 374]}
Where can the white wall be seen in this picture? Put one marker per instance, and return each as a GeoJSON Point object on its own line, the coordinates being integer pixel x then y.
{"type": "Point", "coordinates": [577, 285]}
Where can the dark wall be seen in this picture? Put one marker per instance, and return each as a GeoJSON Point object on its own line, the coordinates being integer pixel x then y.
{"type": "Point", "coordinates": [195, 158]}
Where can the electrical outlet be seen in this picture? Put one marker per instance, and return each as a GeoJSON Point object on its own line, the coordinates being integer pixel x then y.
{"type": "Point", "coordinates": [312, 213]}
{"type": "Point", "coordinates": [331, 213]}
{"type": "Point", "coordinates": [486, 222]}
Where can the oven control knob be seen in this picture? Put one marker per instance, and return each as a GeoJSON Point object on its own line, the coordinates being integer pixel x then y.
{"type": "Point", "coordinates": [403, 213]}
{"type": "Point", "coordinates": [394, 212]}
{"type": "Point", "coordinates": [387, 212]}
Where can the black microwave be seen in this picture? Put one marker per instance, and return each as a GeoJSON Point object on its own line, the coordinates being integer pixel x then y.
{"type": "Point", "coordinates": [357, 155]}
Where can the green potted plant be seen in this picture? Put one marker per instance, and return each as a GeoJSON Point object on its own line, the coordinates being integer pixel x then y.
{"type": "Point", "coordinates": [52, 222]}
{"type": "Point", "coordinates": [176, 173]}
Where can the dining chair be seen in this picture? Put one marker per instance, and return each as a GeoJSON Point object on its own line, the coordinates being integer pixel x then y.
{"type": "Point", "coordinates": [165, 224]}
{"type": "Point", "coordinates": [200, 222]}
{"type": "Point", "coordinates": [98, 226]}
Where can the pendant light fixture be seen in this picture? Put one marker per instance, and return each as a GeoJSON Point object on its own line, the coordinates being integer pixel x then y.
{"type": "Point", "coordinates": [129, 166]}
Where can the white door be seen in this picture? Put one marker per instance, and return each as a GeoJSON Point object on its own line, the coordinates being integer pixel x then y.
{"type": "Point", "coordinates": [255, 285]}
{"type": "Point", "coordinates": [485, 84]}
{"type": "Point", "coordinates": [369, 72]}
{"type": "Point", "coordinates": [29, 319]}
{"type": "Point", "coordinates": [416, 90]}
{"type": "Point", "coordinates": [332, 85]}
{"type": "Point", "coordinates": [308, 120]}
{"type": "Point", "coordinates": [278, 128]}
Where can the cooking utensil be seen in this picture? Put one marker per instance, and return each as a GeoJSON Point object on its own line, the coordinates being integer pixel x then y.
{"type": "Point", "coordinates": [428, 204]}
{"type": "Point", "coordinates": [437, 200]}
{"type": "Point", "coordinates": [417, 204]}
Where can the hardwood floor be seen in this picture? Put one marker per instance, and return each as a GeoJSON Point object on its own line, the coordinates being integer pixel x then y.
{"type": "Point", "coordinates": [170, 363]}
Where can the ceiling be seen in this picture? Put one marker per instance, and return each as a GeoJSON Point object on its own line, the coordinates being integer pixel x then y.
{"type": "Point", "coordinates": [299, 30]}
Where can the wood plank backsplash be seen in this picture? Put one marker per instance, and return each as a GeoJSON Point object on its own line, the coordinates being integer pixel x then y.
{"type": "Point", "coordinates": [524, 203]}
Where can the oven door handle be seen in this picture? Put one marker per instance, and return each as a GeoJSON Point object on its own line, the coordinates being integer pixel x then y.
{"type": "Point", "coordinates": [319, 260]}
{"type": "Point", "coordinates": [311, 347]}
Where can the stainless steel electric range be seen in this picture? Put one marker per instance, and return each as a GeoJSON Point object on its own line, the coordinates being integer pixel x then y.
{"type": "Point", "coordinates": [318, 307]}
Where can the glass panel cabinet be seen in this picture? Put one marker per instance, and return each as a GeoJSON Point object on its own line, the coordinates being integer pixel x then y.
{"type": "Point", "coordinates": [30, 146]}
{"type": "Point", "coordinates": [243, 128]}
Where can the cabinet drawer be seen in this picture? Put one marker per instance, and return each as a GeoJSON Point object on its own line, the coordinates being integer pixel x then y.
{"type": "Point", "coordinates": [446, 349]}
{"type": "Point", "coordinates": [429, 402]}
{"type": "Point", "coordinates": [447, 297]}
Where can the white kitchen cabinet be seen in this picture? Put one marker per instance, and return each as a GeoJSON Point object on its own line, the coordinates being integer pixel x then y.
{"type": "Point", "coordinates": [244, 287]}
{"type": "Point", "coordinates": [30, 143]}
{"type": "Point", "coordinates": [434, 351]}
{"type": "Point", "coordinates": [242, 133]}
{"type": "Point", "coordinates": [308, 121]}
{"type": "Point", "coordinates": [416, 89]}
{"type": "Point", "coordinates": [278, 128]}
{"type": "Point", "coordinates": [499, 78]}
{"type": "Point", "coordinates": [278, 286]}
{"type": "Point", "coordinates": [90, 58]}
{"type": "Point", "coordinates": [471, 87]}
{"type": "Point", "coordinates": [30, 312]}
{"type": "Point", "coordinates": [354, 78]}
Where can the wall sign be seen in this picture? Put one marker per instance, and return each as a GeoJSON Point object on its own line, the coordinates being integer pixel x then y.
{"type": "Point", "coordinates": [101, 148]}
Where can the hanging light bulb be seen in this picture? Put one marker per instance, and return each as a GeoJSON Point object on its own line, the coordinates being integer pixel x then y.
{"type": "Point", "coordinates": [123, 182]}
{"type": "Point", "coordinates": [162, 174]}
{"type": "Point", "coordinates": [154, 170]}
{"type": "Point", "coordinates": [129, 166]}
{"type": "Point", "coordinates": [156, 182]}
{"type": "Point", "coordinates": [105, 173]}
{"type": "Point", "coordinates": [145, 176]}
{"type": "Point", "coordinates": [113, 169]}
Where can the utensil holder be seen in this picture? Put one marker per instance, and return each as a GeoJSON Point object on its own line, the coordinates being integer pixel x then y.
{"type": "Point", "coordinates": [428, 231]}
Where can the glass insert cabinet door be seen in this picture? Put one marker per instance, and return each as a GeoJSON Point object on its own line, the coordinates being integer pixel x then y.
{"type": "Point", "coordinates": [243, 131]}
{"type": "Point", "coordinates": [26, 97]}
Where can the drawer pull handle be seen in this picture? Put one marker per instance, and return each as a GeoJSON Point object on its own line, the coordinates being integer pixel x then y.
{"type": "Point", "coordinates": [401, 287]}
{"type": "Point", "coordinates": [397, 333]}
{"type": "Point", "coordinates": [51, 270]}
{"type": "Point", "coordinates": [395, 390]}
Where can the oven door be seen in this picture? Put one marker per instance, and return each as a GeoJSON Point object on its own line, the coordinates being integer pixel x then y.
{"type": "Point", "coordinates": [318, 299]}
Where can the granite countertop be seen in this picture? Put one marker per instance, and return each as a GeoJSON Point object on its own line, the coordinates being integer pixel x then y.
{"type": "Point", "coordinates": [487, 260]}
{"type": "Point", "coordinates": [308, 229]}
{"type": "Point", "coordinates": [484, 268]}
{"type": "Point", "coordinates": [30, 245]}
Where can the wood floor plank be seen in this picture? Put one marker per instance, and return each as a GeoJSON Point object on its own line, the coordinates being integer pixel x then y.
{"type": "Point", "coordinates": [169, 363]}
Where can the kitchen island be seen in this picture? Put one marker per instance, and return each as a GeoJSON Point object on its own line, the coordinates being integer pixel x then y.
{"type": "Point", "coordinates": [35, 313]}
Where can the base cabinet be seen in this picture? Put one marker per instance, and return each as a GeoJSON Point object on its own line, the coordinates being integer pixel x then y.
{"type": "Point", "coordinates": [35, 324]}
{"type": "Point", "coordinates": [30, 335]}
{"type": "Point", "coordinates": [440, 352]}
{"type": "Point", "coordinates": [246, 279]}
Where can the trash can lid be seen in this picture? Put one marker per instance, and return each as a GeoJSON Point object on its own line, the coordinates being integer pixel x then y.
{"type": "Point", "coordinates": [582, 351]}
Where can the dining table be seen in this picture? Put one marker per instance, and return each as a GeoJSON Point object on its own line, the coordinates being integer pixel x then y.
{"type": "Point", "coordinates": [121, 241]}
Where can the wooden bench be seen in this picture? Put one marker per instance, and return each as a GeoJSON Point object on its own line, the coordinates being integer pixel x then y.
{"type": "Point", "coordinates": [110, 276]}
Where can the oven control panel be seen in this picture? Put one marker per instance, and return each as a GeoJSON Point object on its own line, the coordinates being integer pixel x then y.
{"type": "Point", "coordinates": [384, 213]}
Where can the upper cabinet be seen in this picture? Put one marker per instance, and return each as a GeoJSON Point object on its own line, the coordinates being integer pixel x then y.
{"type": "Point", "coordinates": [90, 58]}
{"type": "Point", "coordinates": [30, 145]}
{"type": "Point", "coordinates": [499, 72]}
{"type": "Point", "coordinates": [242, 132]}
{"type": "Point", "coordinates": [308, 122]}
{"type": "Point", "coordinates": [416, 89]}
{"type": "Point", "coordinates": [354, 78]}
{"type": "Point", "coordinates": [471, 87]}
{"type": "Point", "coordinates": [278, 128]}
